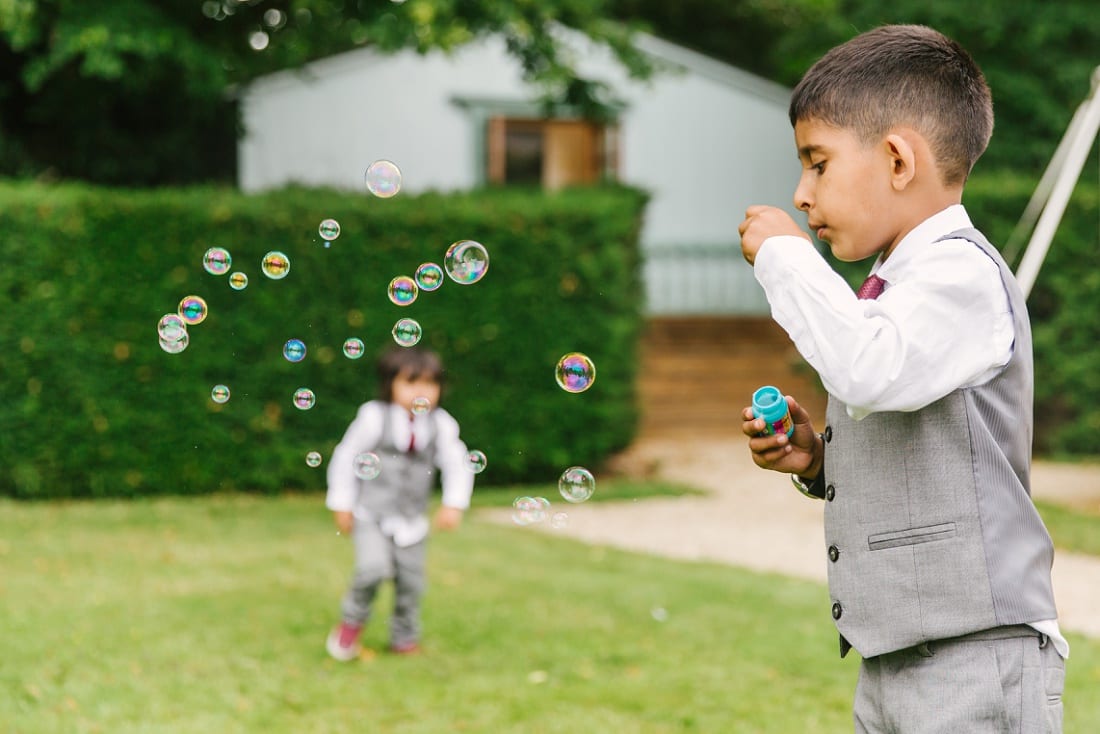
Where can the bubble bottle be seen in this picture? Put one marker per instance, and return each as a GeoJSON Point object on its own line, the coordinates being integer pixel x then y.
{"type": "Point", "coordinates": [768, 403]}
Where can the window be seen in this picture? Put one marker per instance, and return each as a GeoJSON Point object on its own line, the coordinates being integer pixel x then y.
{"type": "Point", "coordinates": [550, 153]}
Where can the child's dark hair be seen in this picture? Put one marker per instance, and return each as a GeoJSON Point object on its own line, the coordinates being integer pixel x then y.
{"type": "Point", "coordinates": [903, 75]}
{"type": "Point", "coordinates": [415, 362]}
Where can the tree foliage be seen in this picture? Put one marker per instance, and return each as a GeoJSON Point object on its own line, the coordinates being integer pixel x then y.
{"type": "Point", "coordinates": [136, 92]}
{"type": "Point", "coordinates": [1037, 55]}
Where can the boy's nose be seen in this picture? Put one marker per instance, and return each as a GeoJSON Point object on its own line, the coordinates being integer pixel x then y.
{"type": "Point", "coordinates": [802, 199]}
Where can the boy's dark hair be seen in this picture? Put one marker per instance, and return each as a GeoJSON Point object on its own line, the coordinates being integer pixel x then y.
{"type": "Point", "coordinates": [903, 75]}
{"type": "Point", "coordinates": [414, 361]}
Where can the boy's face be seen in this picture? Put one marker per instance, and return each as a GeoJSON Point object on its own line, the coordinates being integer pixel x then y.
{"type": "Point", "coordinates": [845, 190]}
{"type": "Point", "coordinates": [407, 389]}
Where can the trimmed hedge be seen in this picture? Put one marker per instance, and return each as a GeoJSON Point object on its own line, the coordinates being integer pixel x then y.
{"type": "Point", "coordinates": [1064, 306]}
{"type": "Point", "coordinates": [95, 408]}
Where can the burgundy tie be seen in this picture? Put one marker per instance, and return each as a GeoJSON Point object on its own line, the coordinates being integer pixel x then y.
{"type": "Point", "coordinates": [412, 436]}
{"type": "Point", "coordinates": [871, 288]}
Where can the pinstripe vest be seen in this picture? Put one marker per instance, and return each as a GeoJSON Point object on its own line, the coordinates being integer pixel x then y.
{"type": "Point", "coordinates": [405, 479]}
{"type": "Point", "coordinates": [930, 528]}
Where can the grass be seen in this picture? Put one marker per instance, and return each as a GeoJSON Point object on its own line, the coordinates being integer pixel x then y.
{"type": "Point", "coordinates": [1072, 529]}
{"type": "Point", "coordinates": [209, 614]}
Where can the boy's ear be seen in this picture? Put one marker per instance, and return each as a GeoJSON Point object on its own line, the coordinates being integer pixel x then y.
{"type": "Point", "coordinates": [903, 160]}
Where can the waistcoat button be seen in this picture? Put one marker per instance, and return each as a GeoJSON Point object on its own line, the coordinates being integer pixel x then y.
{"type": "Point", "coordinates": [834, 553]}
{"type": "Point", "coordinates": [837, 610]}
{"type": "Point", "coordinates": [830, 493]}
{"type": "Point", "coordinates": [828, 434]}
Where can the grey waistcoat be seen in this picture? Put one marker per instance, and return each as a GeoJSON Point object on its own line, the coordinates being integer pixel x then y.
{"type": "Point", "coordinates": [405, 480]}
{"type": "Point", "coordinates": [929, 524]}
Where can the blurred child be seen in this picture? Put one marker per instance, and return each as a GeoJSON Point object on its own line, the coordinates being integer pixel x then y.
{"type": "Point", "coordinates": [939, 565]}
{"type": "Point", "coordinates": [386, 516]}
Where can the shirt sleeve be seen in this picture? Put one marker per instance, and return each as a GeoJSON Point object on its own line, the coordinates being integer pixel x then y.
{"type": "Point", "coordinates": [943, 323]}
{"type": "Point", "coordinates": [455, 476]}
{"type": "Point", "coordinates": [363, 434]}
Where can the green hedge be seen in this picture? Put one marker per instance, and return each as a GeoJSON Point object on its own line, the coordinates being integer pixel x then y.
{"type": "Point", "coordinates": [95, 408]}
{"type": "Point", "coordinates": [1064, 306]}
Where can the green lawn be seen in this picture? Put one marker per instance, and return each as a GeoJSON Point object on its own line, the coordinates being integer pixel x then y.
{"type": "Point", "coordinates": [209, 615]}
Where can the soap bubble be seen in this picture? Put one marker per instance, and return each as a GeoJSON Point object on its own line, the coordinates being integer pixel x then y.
{"type": "Point", "coordinates": [367, 465]}
{"type": "Point", "coordinates": [220, 394]}
{"type": "Point", "coordinates": [192, 310]}
{"type": "Point", "coordinates": [354, 347]}
{"type": "Point", "coordinates": [294, 350]}
{"type": "Point", "coordinates": [383, 179]}
{"type": "Point", "coordinates": [304, 398]}
{"type": "Point", "coordinates": [429, 277]}
{"type": "Point", "coordinates": [175, 346]}
{"type": "Point", "coordinates": [576, 484]}
{"type": "Point", "coordinates": [526, 510]}
{"type": "Point", "coordinates": [559, 520]}
{"type": "Point", "coordinates": [575, 372]}
{"type": "Point", "coordinates": [476, 461]}
{"type": "Point", "coordinates": [238, 281]}
{"type": "Point", "coordinates": [403, 290]}
{"type": "Point", "coordinates": [329, 230]}
{"type": "Point", "coordinates": [313, 459]}
{"type": "Point", "coordinates": [171, 327]}
{"type": "Point", "coordinates": [275, 265]}
{"type": "Point", "coordinates": [217, 261]}
{"type": "Point", "coordinates": [407, 332]}
{"type": "Point", "coordinates": [421, 405]}
{"type": "Point", "coordinates": [466, 261]}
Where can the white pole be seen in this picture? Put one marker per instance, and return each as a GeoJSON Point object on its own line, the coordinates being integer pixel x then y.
{"type": "Point", "coordinates": [1076, 153]}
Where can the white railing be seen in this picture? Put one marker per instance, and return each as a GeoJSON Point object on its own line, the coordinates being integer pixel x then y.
{"type": "Point", "coordinates": [700, 280]}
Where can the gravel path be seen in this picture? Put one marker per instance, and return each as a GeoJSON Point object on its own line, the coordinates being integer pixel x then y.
{"type": "Point", "coordinates": [755, 519]}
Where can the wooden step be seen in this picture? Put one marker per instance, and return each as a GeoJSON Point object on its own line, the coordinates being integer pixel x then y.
{"type": "Point", "coordinates": [697, 374]}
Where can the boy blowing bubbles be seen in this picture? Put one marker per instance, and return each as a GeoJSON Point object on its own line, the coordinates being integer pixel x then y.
{"type": "Point", "coordinates": [939, 565]}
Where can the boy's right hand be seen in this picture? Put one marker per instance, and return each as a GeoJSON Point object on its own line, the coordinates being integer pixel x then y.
{"type": "Point", "coordinates": [344, 522]}
{"type": "Point", "coordinates": [801, 453]}
{"type": "Point", "coordinates": [762, 222]}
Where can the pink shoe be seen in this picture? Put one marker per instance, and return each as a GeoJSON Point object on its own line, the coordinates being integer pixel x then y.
{"type": "Point", "coordinates": [343, 641]}
{"type": "Point", "coordinates": [405, 648]}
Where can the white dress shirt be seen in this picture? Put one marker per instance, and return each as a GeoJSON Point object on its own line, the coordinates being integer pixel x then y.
{"type": "Point", "coordinates": [365, 432]}
{"type": "Point", "coordinates": [943, 321]}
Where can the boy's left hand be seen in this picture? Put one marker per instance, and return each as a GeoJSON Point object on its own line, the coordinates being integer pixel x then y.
{"type": "Point", "coordinates": [448, 518]}
{"type": "Point", "coordinates": [762, 222]}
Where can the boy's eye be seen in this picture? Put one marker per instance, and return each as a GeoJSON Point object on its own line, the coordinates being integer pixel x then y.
{"type": "Point", "coordinates": [819, 167]}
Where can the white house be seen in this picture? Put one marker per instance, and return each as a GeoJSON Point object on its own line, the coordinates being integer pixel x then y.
{"type": "Point", "coordinates": [704, 138]}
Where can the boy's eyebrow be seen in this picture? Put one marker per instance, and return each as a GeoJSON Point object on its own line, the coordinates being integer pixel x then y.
{"type": "Point", "coordinates": [806, 150]}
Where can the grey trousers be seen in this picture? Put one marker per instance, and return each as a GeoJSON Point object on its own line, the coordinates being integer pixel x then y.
{"type": "Point", "coordinates": [1003, 681]}
{"type": "Point", "coordinates": [378, 558]}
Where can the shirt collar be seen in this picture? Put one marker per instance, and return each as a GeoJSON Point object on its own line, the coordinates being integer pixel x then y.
{"type": "Point", "coordinates": [943, 222]}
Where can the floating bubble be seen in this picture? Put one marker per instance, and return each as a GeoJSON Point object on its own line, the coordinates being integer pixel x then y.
{"type": "Point", "coordinates": [220, 394]}
{"type": "Point", "coordinates": [354, 347]}
{"type": "Point", "coordinates": [526, 511]}
{"type": "Point", "coordinates": [313, 459]}
{"type": "Point", "coordinates": [429, 277]}
{"type": "Point", "coordinates": [403, 290]}
{"type": "Point", "coordinates": [476, 461]}
{"type": "Point", "coordinates": [175, 346]}
{"type": "Point", "coordinates": [238, 281]}
{"type": "Point", "coordinates": [559, 520]}
{"type": "Point", "coordinates": [421, 405]}
{"type": "Point", "coordinates": [367, 465]}
{"type": "Point", "coordinates": [275, 265]}
{"type": "Point", "coordinates": [192, 310]}
{"type": "Point", "coordinates": [575, 372]}
{"type": "Point", "coordinates": [659, 614]}
{"type": "Point", "coordinates": [329, 230]}
{"type": "Point", "coordinates": [466, 261]}
{"type": "Point", "coordinates": [304, 398]}
{"type": "Point", "coordinates": [294, 350]}
{"type": "Point", "coordinates": [407, 332]}
{"type": "Point", "coordinates": [217, 261]}
{"type": "Point", "coordinates": [383, 179]}
{"type": "Point", "coordinates": [576, 484]}
{"type": "Point", "coordinates": [171, 327]}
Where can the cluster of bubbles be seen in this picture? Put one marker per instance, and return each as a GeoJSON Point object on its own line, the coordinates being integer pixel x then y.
{"type": "Point", "coordinates": [465, 262]}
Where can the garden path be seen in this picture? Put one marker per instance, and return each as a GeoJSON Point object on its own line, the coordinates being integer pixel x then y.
{"type": "Point", "coordinates": [755, 519]}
